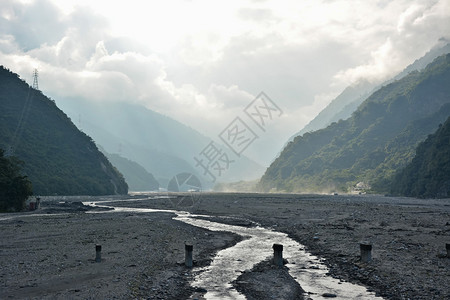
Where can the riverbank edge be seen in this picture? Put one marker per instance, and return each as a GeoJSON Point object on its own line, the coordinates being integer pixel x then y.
{"type": "Point", "coordinates": [345, 265]}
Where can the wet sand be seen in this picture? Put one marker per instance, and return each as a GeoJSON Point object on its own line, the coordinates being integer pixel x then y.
{"type": "Point", "coordinates": [52, 255]}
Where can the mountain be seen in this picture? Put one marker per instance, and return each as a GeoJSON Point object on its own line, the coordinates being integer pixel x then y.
{"type": "Point", "coordinates": [135, 175]}
{"type": "Point", "coordinates": [58, 158]}
{"type": "Point", "coordinates": [163, 164]}
{"type": "Point", "coordinates": [421, 63]}
{"type": "Point", "coordinates": [163, 146]}
{"type": "Point", "coordinates": [348, 101]}
{"type": "Point", "coordinates": [428, 174]}
{"type": "Point", "coordinates": [378, 139]}
{"type": "Point", "coordinates": [341, 107]}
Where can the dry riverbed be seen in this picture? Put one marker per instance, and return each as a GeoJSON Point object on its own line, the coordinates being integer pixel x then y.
{"type": "Point", "coordinates": [408, 236]}
{"type": "Point", "coordinates": [50, 253]}
{"type": "Point", "coordinates": [51, 256]}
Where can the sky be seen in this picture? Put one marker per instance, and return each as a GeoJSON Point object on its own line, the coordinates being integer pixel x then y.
{"type": "Point", "coordinates": [203, 62]}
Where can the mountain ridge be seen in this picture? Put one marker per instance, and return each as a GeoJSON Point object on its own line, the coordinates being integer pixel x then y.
{"type": "Point", "coordinates": [163, 146]}
{"type": "Point", "coordinates": [346, 152]}
{"type": "Point", "coordinates": [59, 159]}
{"type": "Point", "coordinates": [348, 100]}
{"type": "Point", "coordinates": [136, 176]}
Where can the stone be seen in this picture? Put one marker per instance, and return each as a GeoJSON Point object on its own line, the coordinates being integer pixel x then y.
{"type": "Point", "coordinates": [329, 295]}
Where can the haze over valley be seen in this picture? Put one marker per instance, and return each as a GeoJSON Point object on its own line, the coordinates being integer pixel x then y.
{"type": "Point", "coordinates": [224, 150]}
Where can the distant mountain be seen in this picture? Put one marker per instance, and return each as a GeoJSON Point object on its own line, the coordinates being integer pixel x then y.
{"type": "Point", "coordinates": [164, 165]}
{"type": "Point", "coordinates": [163, 146]}
{"type": "Point", "coordinates": [428, 175]}
{"type": "Point", "coordinates": [421, 63]}
{"type": "Point", "coordinates": [377, 140]}
{"type": "Point", "coordinates": [136, 176]}
{"type": "Point", "coordinates": [341, 107]}
{"type": "Point", "coordinates": [59, 159]}
{"type": "Point", "coordinates": [348, 101]}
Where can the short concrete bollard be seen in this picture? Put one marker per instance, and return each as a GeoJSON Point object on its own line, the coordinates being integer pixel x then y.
{"type": "Point", "coordinates": [366, 252]}
{"type": "Point", "coordinates": [278, 255]}
{"type": "Point", "coordinates": [188, 255]}
{"type": "Point", "coordinates": [447, 246]}
{"type": "Point", "coordinates": [98, 253]}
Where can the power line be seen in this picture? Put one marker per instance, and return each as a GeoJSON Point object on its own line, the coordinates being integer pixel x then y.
{"type": "Point", "coordinates": [23, 116]}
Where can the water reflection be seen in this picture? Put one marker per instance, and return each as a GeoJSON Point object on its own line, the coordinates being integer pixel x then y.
{"type": "Point", "coordinates": [305, 268]}
{"type": "Point", "coordinates": [228, 264]}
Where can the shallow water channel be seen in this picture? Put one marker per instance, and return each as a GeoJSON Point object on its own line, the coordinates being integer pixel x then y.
{"type": "Point", "coordinates": [308, 270]}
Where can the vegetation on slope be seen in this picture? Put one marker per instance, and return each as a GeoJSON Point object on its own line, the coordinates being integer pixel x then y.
{"type": "Point", "coordinates": [59, 159]}
{"type": "Point", "coordinates": [14, 188]}
{"type": "Point", "coordinates": [136, 176]}
{"type": "Point", "coordinates": [370, 146]}
{"type": "Point", "coordinates": [348, 101]}
{"type": "Point", "coordinates": [428, 175]}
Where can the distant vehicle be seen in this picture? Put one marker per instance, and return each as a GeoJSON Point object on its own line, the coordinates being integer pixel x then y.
{"type": "Point", "coordinates": [193, 190]}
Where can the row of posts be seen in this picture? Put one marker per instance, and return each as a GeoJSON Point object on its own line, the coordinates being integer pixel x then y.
{"type": "Point", "coordinates": [187, 260]}
{"type": "Point", "coordinates": [366, 251]}
{"type": "Point", "coordinates": [365, 248]}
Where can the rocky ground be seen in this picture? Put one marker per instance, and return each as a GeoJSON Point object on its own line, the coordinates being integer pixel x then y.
{"type": "Point", "coordinates": [408, 236]}
{"type": "Point", "coordinates": [266, 281]}
{"type": "Point", "coordinates": [50, 253]}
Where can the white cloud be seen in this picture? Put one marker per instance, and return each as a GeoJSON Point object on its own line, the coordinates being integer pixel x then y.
{"type": "Point", "coordinates": [7, 44]}
{"type": "Point", "coordinates": [417, 28]}
{"type": "Point", "coordinates": [202, 62]}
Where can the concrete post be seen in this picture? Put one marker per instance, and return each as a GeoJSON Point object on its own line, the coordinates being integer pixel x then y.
{"type": "Point", "coordinates": [188, 255]}
{"type": "Point", "coordinates": [98, 253]}
{"type": "Point", "coordinates": [366, 252]}
{"type": "Point", "coordinates": [278, 255]}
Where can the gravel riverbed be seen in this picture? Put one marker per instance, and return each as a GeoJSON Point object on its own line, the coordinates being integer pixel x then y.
{"type": "Point", "coordinates": [49, 253]}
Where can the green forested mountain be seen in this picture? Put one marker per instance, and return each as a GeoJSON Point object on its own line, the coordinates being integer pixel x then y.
{"type": "Point", "coordinates": [136, 176]}
{"type": "Point", "coordinates": [428, 175]}
{"type": "Point", "coordinates": [341, 107]}
{"type": "Point", "coordinates": [58, 158]}
{"type": "Point", "coordinates": [378, 139]}
{"type": "Point", "coordinates": [348, 101]}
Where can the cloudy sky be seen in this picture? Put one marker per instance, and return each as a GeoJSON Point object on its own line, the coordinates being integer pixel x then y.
{"type": "Point", "coordinates": [203, 62]}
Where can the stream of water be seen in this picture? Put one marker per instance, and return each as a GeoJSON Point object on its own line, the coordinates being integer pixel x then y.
{"type": "Point", "coordinates": [309, 271]}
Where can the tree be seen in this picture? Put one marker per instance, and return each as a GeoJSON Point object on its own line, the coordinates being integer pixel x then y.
{"type": "Point", "coordinates": [14, 188]}
{"type": "Point", "coordinates": [428, 174]}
